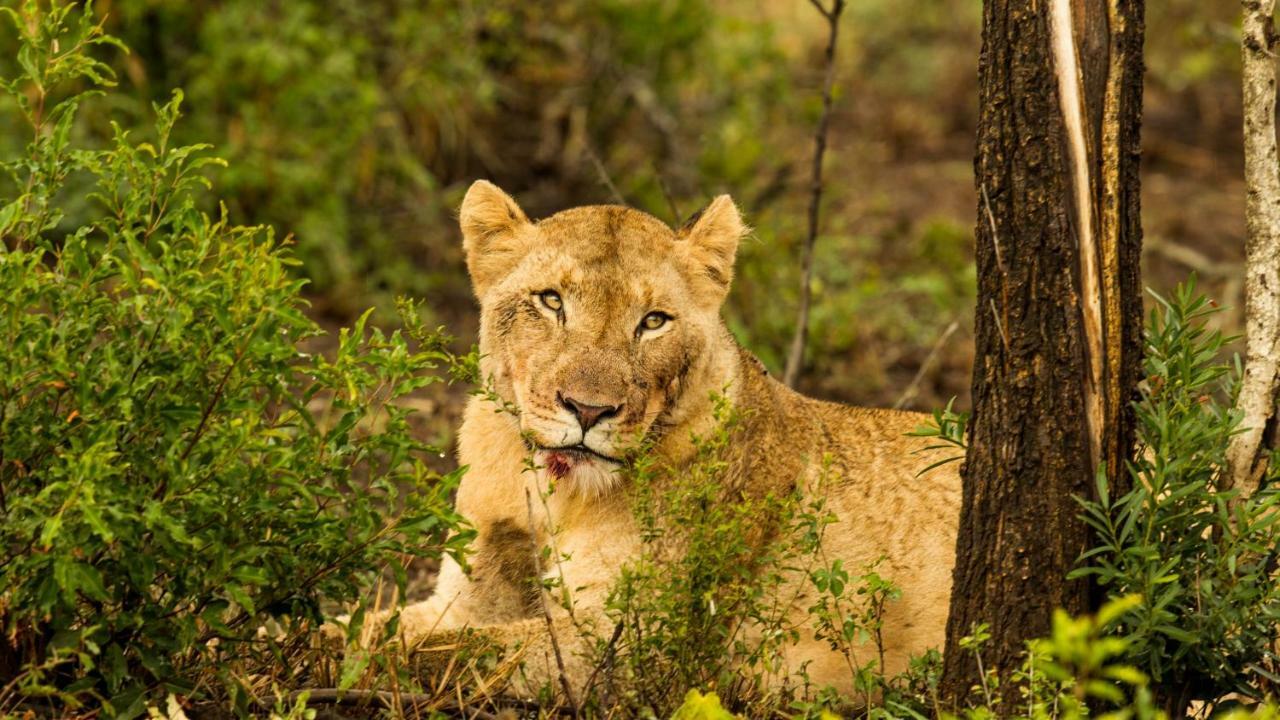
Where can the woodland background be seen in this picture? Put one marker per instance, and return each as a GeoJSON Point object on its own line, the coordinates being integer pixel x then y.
{"type": "Point", "coordinates": [160, 360]}
{"type": "Point", "coordinates": [357, 124]}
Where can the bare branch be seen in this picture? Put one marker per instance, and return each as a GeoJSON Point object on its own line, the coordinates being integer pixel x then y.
{"type": "Point", "coordinates": [676, 218]}
{"type": "Point", "coordinates": [795, 358]}
{"type": "Point", "coordinates": [822, 9]}
{"type": "Point", "coordinates": [914, 387]}
{"type": "Point", "coordinates": [603, 174]}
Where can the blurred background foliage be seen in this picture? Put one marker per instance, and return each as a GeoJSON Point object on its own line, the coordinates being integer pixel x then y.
{"type": "Point", "coordinates": [356, 125]}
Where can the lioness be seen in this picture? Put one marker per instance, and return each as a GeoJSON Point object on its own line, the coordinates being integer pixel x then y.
{"type": "Point", "coordinates": [600, 327]}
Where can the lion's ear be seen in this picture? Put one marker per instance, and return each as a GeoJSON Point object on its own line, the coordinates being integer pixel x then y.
{"type": "Point", "coordinates": [496, 233]}
{"type": "Point", "coordinates": [713, 234]}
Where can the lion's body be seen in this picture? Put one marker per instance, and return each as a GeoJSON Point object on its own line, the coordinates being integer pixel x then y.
{"type": "Point", "coordinates": [659, 385]}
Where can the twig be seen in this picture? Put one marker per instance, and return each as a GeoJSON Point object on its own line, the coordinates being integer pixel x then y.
{"type": "Point", "coordinates": [676, 219]}
{"type": "Point", "coordinates": [1004, 275]}
{"type": "Point", "coordinates": [795, 358]}
{"type": "Point", "coordinates": [825, 12]}
{"type": "Point", "coordinates": [779, 182]}
{"type": "Point", "coordinates": [604, 176]}
{"type": "Point", "coordinates": [653, 111]}
{"type": "Point", "coordinates": [334, 696]}
{"type": "Point", "coordinates": [546, 612]}
{"type": "Point", "coordinates": [1189, 257]}
{"type": "Point", "coordinates": [1004, 339]}
{"type": "Point", "coordinates": [914, 386]}
{"type": "Point", "coordinates": [217, 393]}
{"type": "Point", "coordinates": [991, 220]}
{"type": "Point", "coordinates": [609, 650]}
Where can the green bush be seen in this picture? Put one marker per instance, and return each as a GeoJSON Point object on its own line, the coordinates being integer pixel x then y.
{"type": "Point", "coordinates": [1201, 558]}
{"type": "Point", "coordinates": [181, 481]}
{"type": "Point", "coordinates": [1189, 566]}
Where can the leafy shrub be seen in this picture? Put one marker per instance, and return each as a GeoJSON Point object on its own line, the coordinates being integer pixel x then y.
{"type": "Point", "coordinates": [176, 471]}
{"type": "Point", "coordinates": [1078, 668]}
{"type": "Point", "coordinates": [1201, 557]}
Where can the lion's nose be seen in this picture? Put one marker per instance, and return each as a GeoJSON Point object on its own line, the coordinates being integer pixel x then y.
{"type": "Point", "coordinates": [588, 415]}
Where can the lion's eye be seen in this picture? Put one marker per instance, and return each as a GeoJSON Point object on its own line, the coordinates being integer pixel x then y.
{"type": "Point", "coordinates": [654, 320]}
{"type": "Point", "coordinates": [551, 300]}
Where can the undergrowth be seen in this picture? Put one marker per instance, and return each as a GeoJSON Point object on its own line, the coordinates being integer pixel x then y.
{"type": "Point", "coordinates": [1201, 556]}
{"type": "Point", "coordinates": [181, 482]}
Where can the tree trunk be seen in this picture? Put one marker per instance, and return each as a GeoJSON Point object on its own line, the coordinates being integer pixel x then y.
{"type": "Point", "coordinates": [1257, 401]}
{"type": "Point", "coordinates": [1059, 319]}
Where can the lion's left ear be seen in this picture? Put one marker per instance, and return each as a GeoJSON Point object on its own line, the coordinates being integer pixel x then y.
{"type": "Point", "coordinates": [713, 234]}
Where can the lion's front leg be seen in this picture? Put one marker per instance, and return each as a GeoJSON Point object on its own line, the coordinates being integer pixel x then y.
{"type": "Point", "coordinates": [501, 587]}
{"type": "Point", "coordinates": [530, 656]}
{"type": "Point", "coordinates": [452, 604]}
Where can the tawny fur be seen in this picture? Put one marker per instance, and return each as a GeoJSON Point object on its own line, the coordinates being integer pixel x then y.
{"type": "Point", "coordinates": [610, 266]}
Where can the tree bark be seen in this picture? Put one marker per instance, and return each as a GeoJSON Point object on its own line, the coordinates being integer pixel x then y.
{"type": "Point", "coordinates": [1257, 399]}
{"type": "Point", "coordinates": [1059, 319]}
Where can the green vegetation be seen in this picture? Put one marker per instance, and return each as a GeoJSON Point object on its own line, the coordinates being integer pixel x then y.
{"type": "Point", "coordinates": [181, 483]}
{"type": "Point", "coordinates": [1201, 558]}
{"type": "Point", "coordinates": [694, 608]}
{"type": "Point", "coordinates": [1076, 665]}
{"type": "Point", "coordinates": [698, 608]}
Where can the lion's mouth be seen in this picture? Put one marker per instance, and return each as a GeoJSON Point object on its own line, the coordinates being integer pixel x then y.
{"type": "Point", "coordinates": [560, 460]}
{"type": "Point", "coordinates": [580, 451]}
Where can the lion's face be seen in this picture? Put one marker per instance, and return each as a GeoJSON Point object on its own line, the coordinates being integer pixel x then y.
{"type": "Point", "coordinates": [593, 319]}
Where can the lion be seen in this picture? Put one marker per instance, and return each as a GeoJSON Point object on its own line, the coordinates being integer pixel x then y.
{"type": "Point", "coordinates": [600, 331]}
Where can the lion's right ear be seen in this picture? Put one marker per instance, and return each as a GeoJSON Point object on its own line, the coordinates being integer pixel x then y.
{"type": "Point", "coordinates": [496, 234]}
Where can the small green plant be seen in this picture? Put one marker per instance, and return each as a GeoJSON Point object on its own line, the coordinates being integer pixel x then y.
{"type": "Point", "coordinates": [181, 481]}
{"type": "Point", "coordinates": [694, 607]}
{"type": "Point", "coordinates": [947, 428]}
{"type": "Point", "coordinates": [1079, 668]}
{"type": "Point", "coordinates": [698, 706]}
{"type": "Point", "coordinates": [1200, 558]}
{"type": "Point", "coordinates": [1082, 661]}
{"type": "Point", "coordinates": [847, 613]}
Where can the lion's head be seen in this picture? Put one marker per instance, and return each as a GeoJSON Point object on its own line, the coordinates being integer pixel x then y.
{"type": "Point", "coordinates": [593, 321]}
